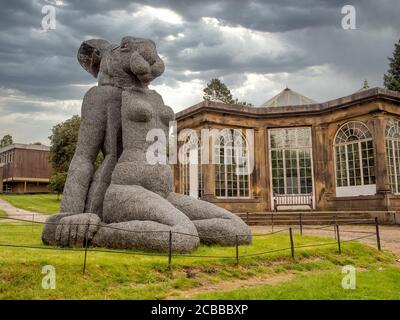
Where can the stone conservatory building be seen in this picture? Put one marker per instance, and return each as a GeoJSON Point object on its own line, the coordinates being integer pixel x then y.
{"type": "Point", "coordinates": [340, 155]}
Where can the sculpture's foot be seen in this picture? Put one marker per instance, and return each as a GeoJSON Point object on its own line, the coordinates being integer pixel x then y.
{"type": "Point", "coordinates": [146, 235]}
{"type": "Point", "coordinates": [49, 230]}
{"type": "Point", "coordinates": [70, 229]}
{"type": "Point", "coordinates": [214, 224]}
{"type": "Point", "coordinates": [137, 209]}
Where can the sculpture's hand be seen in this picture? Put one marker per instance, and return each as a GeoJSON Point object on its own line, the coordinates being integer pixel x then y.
{"type": "Point", "coordinates": [73, 230]}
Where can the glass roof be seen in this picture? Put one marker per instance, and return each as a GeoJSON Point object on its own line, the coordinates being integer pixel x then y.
{"type": "Point", "coordinates": [288, 97]}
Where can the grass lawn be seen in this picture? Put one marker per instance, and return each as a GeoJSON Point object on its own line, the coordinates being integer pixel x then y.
{"type": "Point", "coordinates": [3, 213]}
{"type": "Point", "coordinates": [382, 283]}
{"type": "Point", "coordinates": [315, 273]}
{"type": "Point", "coordinates": [43, 203]}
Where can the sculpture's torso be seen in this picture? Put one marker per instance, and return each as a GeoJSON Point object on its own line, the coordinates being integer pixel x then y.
{"type": "Point", "coordinates": [143, 110]}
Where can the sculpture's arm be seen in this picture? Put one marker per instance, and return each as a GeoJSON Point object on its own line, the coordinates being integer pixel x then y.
{"type": "Point", "coordinates": [90, 140]}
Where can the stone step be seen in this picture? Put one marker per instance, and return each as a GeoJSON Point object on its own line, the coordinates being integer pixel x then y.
{"type": "Point", "coordinates": [318, 217]}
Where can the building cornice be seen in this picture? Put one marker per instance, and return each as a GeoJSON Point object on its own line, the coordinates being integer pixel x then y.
{"type": "Point", "coordinates": [364, 96]}
{"type": "Point", "coordinates": [40, 147]}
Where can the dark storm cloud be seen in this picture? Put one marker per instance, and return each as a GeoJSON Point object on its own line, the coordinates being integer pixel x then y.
{"type": "Point", "coordinates": [265, 37]}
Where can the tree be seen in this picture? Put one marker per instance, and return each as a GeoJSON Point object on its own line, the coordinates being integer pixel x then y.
{"type": "Point", "coordinates": [63, 143]}
{"type": "Point", "coordinates": [216, 90]}
{"type": "Point", "coordinates": [62, 148]}
{"type": "Point", "coordinates": [392, 77]}
{"type": "Point", "coordinates": [6, 141]}
{"type": "Point", "coordinates": [57, 182]}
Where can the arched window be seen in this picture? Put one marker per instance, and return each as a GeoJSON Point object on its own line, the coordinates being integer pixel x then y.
{"type": "Point", "coordinates": [232, 165]}
{"type": "Point", "coordinates": [393, 153]}
{"type": "Point", "coordinates": [191, 175]}
{"type": "Point", "coordinates": [354, 160]}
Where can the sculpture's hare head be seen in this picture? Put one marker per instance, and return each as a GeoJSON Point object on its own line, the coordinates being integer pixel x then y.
{"type": "Point", "coordinates": [134, 62]}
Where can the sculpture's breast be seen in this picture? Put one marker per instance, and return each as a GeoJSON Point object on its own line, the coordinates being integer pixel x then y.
{"type": "Point", "coordinates": [136, 108]}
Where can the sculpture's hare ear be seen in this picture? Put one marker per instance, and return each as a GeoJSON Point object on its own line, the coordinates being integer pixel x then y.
{"type": "Point", "coordinates": [90, 54]}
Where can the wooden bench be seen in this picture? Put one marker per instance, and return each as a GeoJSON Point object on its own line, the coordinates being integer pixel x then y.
{"type": "Point", "coordinates": [281, 200]}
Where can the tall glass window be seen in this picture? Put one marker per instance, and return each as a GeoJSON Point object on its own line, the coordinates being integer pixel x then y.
{"type": "Point", "coordinates": [393, 153]}
{"type": "Point", "coordinates": [231, 177]}
{"type": "Point", "coordinates": [291, 160]}
{"type": "Point", "coordinates": [354, 155]}
{"type": "Point", "coordinates": [186, 171]}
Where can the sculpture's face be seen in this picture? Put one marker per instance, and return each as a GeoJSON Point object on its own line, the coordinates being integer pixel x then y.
{"type": "Point", "coordinates": [134, 61]}
{"type": "Point", "coordinates": [139, 58]}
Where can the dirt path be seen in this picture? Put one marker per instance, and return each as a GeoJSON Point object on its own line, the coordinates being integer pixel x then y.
{"type": "Point", "coordinates": [21, 214]}
{"type": "Point", "coordinates": [232, 285]}
{"type": "Point", "coordinates": [390, 235]}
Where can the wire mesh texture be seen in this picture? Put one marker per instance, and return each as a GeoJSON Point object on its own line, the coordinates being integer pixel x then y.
{"type": "Point", "coordinates": [10, 221]}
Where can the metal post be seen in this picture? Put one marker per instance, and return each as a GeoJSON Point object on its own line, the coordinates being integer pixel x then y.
{"type": "Point", "coordinates": [378, 237]}
{"type": "Point", "coordinates": [291, 241]}
{"type": "Point", "coordinates": [301, 224]}
{"type": "Point", "coordinates": [237, 250]}
{"type": "Point", "coordinates": [338, 239]}
{"type": "Point", "coordinates": [170, 249]}
{"type": "Point", "coordinates": [86, 248]}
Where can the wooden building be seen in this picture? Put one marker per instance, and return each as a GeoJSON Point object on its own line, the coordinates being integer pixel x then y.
{"type": "Point", "coordinates": [24, 168]}
{"type": "Point", "coordinates": [342, 154]}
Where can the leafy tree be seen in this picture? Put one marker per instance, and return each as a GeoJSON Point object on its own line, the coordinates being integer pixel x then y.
{"type": "Point", "coordinates": [57, 182]}
{"type": "Point", "coordinates": [392, 77]}
{"type": "Point", "coordinates": [6, 141]}
{"type": "Point", "coordinates": [63, 144]}
{"type": "Point", "coordinates": [216, 90]}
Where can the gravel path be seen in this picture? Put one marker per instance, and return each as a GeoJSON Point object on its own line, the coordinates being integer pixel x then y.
{"type": "Point", "coordinates": [390, 235]}
{"type": "Point", "coordinates": [21, 214]}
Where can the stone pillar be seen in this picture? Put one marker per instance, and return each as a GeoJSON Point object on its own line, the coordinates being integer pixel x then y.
{"type": "Point", "coordinates": [319, 134]}
{"type": "Point", "coordinates": [209, 173]}
{"type": "Point", "coordinates": [381, 170]}
{"type": "Point", "coordinates": [260, 166]}
{"type": "Point", "coordinates": [323, 164]}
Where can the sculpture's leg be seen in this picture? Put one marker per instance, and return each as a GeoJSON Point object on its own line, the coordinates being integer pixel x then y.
{"type": "Point", "coordinates": [214, 225]}
{"type": "Point", "coordinates": [148, 218]}
{"type": "Point", "coordinates": [112, 148]}
{"type": "Point", "coordinates": [90, 140]}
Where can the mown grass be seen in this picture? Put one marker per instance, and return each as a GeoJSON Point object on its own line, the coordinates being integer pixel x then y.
{"type": "Point", "coordinates": [3, 213]}
{"type": "Point", "coordinates": [376, 283]}
{"type": "Point", "coordinates": [43, 203]}
{"type": "Point", "coordinates": [133, 276]}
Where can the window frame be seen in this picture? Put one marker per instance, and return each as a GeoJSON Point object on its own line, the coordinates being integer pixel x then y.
{"type": "Point", "coordinates": [225, 180]}
{"type": "Point", "coordinates": [363, 189]}
{"type": "Point", "coordinates": [298, 149]}
{"type": "Point", "coordinates": [395, 154]}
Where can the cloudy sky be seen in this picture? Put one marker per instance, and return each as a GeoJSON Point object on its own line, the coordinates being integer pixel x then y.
{"type": "Point", "coordinates": [256, 48]}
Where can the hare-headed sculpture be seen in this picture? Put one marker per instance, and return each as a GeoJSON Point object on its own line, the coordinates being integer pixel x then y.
{"type": "Point", "coordinates": [130, 203]}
